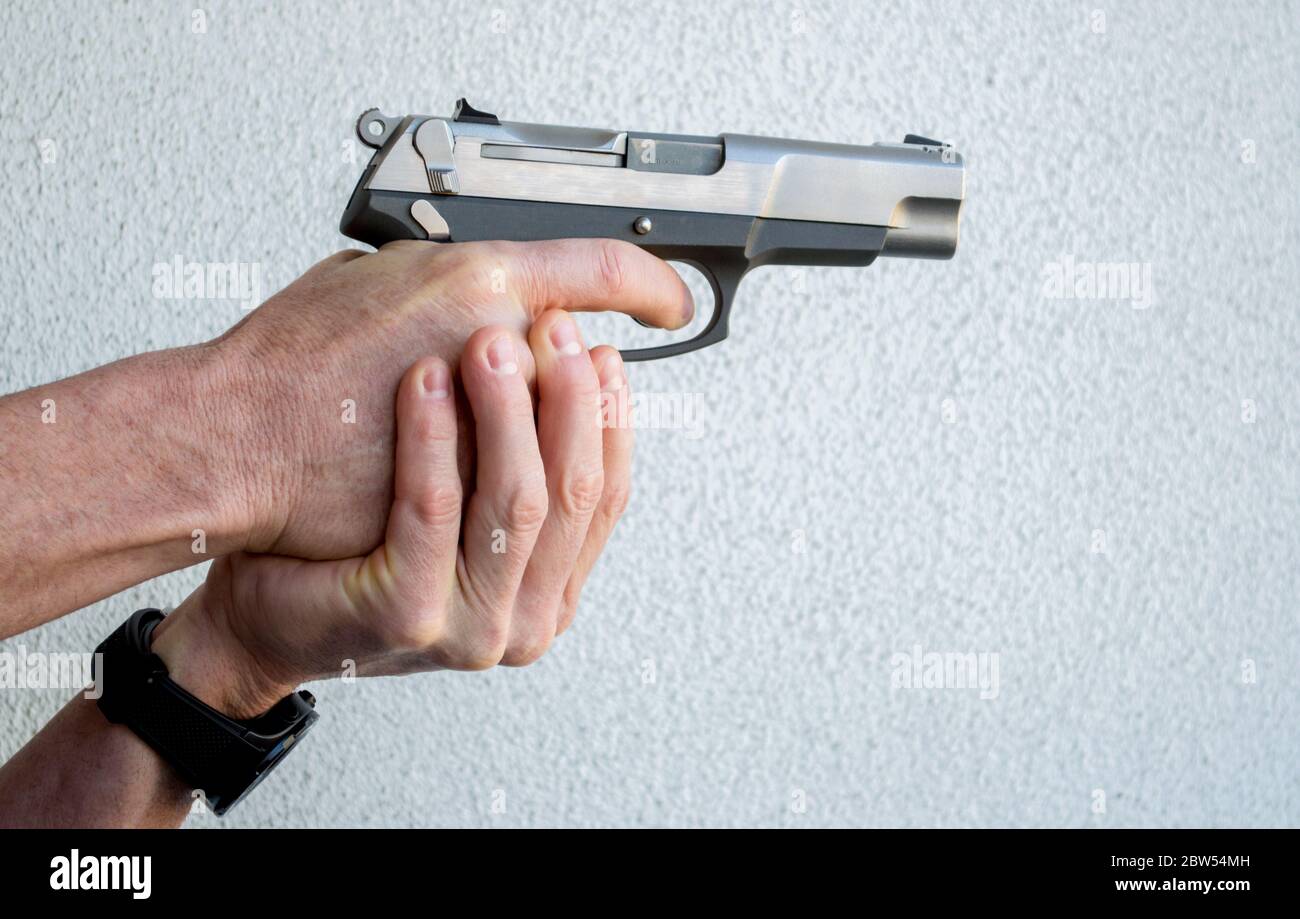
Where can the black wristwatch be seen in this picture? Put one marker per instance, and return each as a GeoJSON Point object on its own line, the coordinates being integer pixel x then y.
{"type": "Point", "coordinates": [221, 758]}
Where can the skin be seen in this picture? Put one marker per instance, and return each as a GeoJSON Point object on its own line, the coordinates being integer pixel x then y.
{"type": "Point", "coordinates": [242, 437]}
{"type": "Point", "coordinates": [452, 527]}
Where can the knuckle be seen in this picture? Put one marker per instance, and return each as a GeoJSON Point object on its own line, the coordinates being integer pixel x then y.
{"type": "Point", "coordinates": [484, 651]}
{"type": "Point", "coordinates": [490, 267]}
{"type": "Point", "coordinates": [342, 257]}
{"type": "Point", "coordinates": [423, 259]}
{"type": "Point", "coordinates": [526, 508]}
{"type": "Point", "coordinates": [526, 651]}
{"type": "Point", "coordinates": [472, 270]}
{"type": "Point", "coordinates": [430, 432]}
{"type": "Point", "coordinates": [468, 273]}
{"type": "Point", "coordinates": [413, 630]}
{"type": "Point", "coordinates": [479, 659]}
{"type": "Point", "coordinates": [437, 506]}
{"type": "Point", "coordinates": [407, 245]}
{"type": "Point", "coordinates": [612, 264]}
{"type": "Point", "coordinates": [579, 491]}
{"type": "Point", "coordinates": [479, 258]}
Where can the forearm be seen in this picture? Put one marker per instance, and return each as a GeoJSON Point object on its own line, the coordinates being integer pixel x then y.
{"type": "Point", "coordinates": [83, 771]}
{"type": "Point", "coordinates": [109, 475]}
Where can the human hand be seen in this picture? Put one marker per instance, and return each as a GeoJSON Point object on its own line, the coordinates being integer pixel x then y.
{"type": "Point", "coordinates": [456, 584]}
{"type": "Point", "coordinates": [316, 367]}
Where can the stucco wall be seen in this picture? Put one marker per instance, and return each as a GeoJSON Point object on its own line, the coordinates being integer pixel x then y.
{"type": "Point", "coordinates": [732, 662]}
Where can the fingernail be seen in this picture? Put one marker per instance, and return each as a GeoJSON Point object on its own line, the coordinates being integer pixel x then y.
{"type": "Point", "coordinates": [688, 308]}
{"type": "Point", "coordinates": [436, 382]}
{"type": "Point", "coordinates": [611, 375]}
{"type": "Point", "coordinates": [501, 356]}
{"type": "Point", "coordinates": [564, 336]}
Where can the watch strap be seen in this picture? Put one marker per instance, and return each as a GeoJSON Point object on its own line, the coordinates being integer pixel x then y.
{"type": "Point", "coordinates": [219, 755]}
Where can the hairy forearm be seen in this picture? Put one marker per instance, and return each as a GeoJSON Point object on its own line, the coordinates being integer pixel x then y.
{"type": "Point", "coordinates": [115, 476]}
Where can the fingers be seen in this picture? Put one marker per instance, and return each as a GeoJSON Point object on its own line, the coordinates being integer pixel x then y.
{"type": "Point", "coordinates": [420, 549]}
{"type": "Point", "coordinates": [602, 274]}
{"type": "Point", "coordinates": [569, 435]}
{"type": "Point", "coordinates": [509, 504]}
{"type": "Point", "coordinates": [618, 438]}
{"type": "Point", "coordinates": [547, 495]}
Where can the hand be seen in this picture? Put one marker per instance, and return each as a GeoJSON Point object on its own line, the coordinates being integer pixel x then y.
{"type": "Point", "coordinates": [337, 339]}
{"type": "Point", "coordinates": [245, 443]}
{"type": "Point", "coordinates": [457, 585]}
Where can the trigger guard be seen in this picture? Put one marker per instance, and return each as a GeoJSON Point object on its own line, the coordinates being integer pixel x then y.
{"type": "Point", "coordinates": [724, 277]}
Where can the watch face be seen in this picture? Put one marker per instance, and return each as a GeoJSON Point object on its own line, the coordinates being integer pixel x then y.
{"type": "Point", "coordinates": [263, 769]}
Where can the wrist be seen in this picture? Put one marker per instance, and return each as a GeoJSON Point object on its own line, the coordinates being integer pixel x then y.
{"type": "Point", "coordinates": [205, 657]}
{"type": "Point", "coordinates": [226, 386]}
{"type": "Point", "coordinates": [213, 440]}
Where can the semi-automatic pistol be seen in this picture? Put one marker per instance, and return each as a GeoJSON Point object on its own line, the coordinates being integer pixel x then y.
{"type": "Point", "coordinates": [722, 205]}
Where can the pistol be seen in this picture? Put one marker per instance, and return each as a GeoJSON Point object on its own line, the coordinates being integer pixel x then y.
{"type": "Point", "coordinates": [722, 205]}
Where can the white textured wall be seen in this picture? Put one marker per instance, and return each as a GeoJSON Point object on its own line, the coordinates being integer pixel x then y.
{"type": "Point", "coordinates": [825, 414]}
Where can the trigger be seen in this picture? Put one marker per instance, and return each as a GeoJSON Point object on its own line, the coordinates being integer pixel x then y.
{"type": "Point", "coordinates": [643, 324]}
